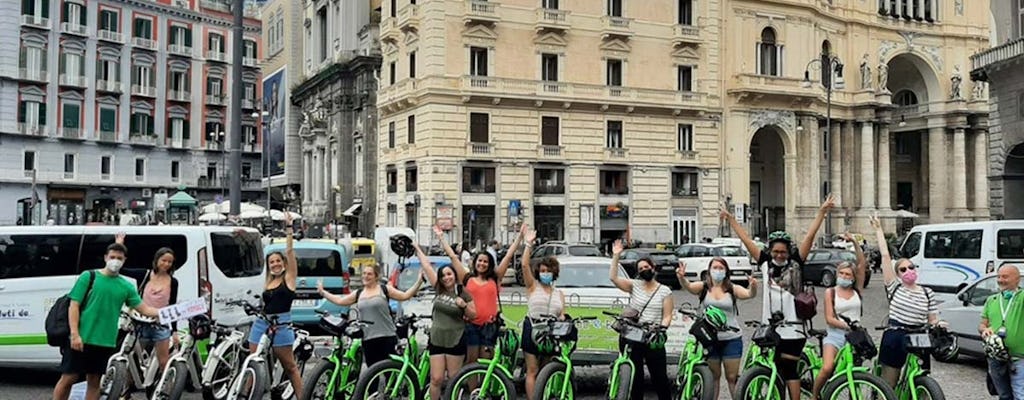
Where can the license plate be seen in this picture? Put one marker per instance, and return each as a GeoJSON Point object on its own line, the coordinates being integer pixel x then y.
{"type": "Point", "coordinates": [305, 303]}
{"type": "Point", "coordinates": [668, 268]}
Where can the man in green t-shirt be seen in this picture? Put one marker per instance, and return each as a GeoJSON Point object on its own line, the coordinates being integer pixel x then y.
{"type": "Point", "coordinates": [1003, 315]}
{"type": "Point", "coordinates": [94, 327]}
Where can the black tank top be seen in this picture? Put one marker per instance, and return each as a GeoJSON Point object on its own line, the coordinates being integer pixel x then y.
{"type": "Point", "coordinates": [278, 300]}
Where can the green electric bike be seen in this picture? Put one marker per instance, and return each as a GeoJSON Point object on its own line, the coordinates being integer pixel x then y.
{"type": "Point", "coordinates": [620, 382]}
{"type": "Point", "coordinates": [694, 378]}
{"type": "Point", "coordinates": [760, 379]}
{"type": "Point", "coordinates": [489, 379]}
{"type": "Point", "coordinates": [914, 382]}
{"type": "Point", "coordinates": [402, 377]}
{"type": "Point", "coordinates": [850, 380]}
{"type": "Point", "coordinates": [555, 380]}
{"type": "Point", "coordinates": [335, 376]}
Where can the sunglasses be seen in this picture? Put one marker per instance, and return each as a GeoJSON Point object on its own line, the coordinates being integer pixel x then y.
{"type": "Point", "coordinates": [904, 269]}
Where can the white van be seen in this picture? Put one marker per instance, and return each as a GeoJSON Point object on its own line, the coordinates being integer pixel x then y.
{"type": "Point", "coordinates": [38, 264]}
{"type": "Point", "coordinates": [955, 254]}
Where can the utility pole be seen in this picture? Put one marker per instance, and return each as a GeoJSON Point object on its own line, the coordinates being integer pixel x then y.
{"type": "Point", "coordinates": [235, 136]}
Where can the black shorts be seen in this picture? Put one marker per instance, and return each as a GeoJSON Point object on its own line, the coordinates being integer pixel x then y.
{"type": "Point", "coordinates": [458, 350]}
{"type": "Point", "coordinates": [92, 360]}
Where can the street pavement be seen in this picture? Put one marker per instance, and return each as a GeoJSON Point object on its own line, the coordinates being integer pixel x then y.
{"type": "Point", "coordinates": [964, 380]}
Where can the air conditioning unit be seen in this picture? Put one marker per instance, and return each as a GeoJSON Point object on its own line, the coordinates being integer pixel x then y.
{"type": "Point", "coordinates": [147, 193]}
{"type": "Point", "coordinates": [181, 3]}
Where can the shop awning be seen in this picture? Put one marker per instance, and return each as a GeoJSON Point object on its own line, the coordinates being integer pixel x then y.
{"type": "Point", "coordinates": [182, 199]}
{"type": "Point", "coordinates": [353, 211]}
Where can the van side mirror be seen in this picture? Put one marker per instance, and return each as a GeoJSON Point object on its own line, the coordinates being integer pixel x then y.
{"type": "Point", "coordinates": [964, 297]}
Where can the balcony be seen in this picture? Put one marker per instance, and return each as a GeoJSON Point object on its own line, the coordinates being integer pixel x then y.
{"type": "Point", "coordinates": [177, 143]}
{"type": "Point", "coordinates": [552, 20]}
{"type": "Point", "coordinates": [32, 74]}
{"type": "Point", "coordinates": [686, 155]}
{"type": "Point", "coordinates": [479, 148]}
{"type": "Point", "coordinates": [144, 43]}
{"type": "Point", "coordinates": [218, 56]}
{"type": "Point", "coordinates": [31, 129]}
{"type": "Point", "coordinates": [215, 99]}
{"type": "Point", "coordinates": [249, 62]}
{"type": "Point", "coordinates": [478, 188]}
{"type": "Point", "coordinates": [685, 34]}
{"type": "Point", "coordinates": [614, 153]}
{"type": "Point", "coordinates": [248, 104]}
{"type": "Point", "coordinates": [142, 139]}
{"type": "Point", "coordinates": [179, 50]}
{"type": "Point", "coordinates": [549, 151]}
{"type": "Point", "coordinates": [108, 86]}
{"type": "Point", "coordinates": [204, 182]}
{"type": "Point", "coordinates": [481, 12]}
{"type": "Point", "coordinates": [548, 188]}
{"type": "Point", "coordinates": [389, 30]}
{"type": "Point", "coordinates": [179, 95]}
{"type": "Point", "coordinates": [108, 137]}
{"type": "Point", "coordinates": [996, 55]}
{"type": "Point", "coordinates": [409, 18]}
{"type": "Point", "coordinates": [110, 36]}
{"type": "Point", "coordinates": [615, 27]}
{"type": "Point", "coordinates": [104, 177]}
{"type": "Point", "coordinates": [35, 21]}
{"type": "Point", "coordinates": [73, 28]}
{"type": "Point", "coordinates": [139, 90]}
{"type": "Point", "coordinates": [576, 92]}
{"type": "Point", "coordinates": [683, 191]}
{"type": "Point", "coordinates": [214, 145]}
{"type": "Point", "coordinates": [215, 5]}
{"type": "Point", "coordinates": [70, 133]}
{"type": "Point", "coordinates": [72, 80]}
{"type": "Point", "coordinates": [768, 85]}
{"type": "Point", "coordinates": [615, 190]}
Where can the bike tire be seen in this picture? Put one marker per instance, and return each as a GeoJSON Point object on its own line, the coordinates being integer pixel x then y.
{"type": "Point", "coordinates": [223, 371]}
{"type": "Point", "coordinates": [259, 381]}
{"type": "Point", "coordinates": [172, 386]}
{"type": "Point", "coordinates": [284, 390]}
{"type": "Point", "coordinates": [312, 381]}
{"type": "Point", "coordinates": [835, 387]}
{"type": "Point", "coordinates": [461, 380]}
{"type": "Point", "coordinates": [756, 374]}
{"type": "Point", "coordinates": [927, 385]}
{"type": "Point", "coordinates": [806, 376]}
{"type": "Point", "coordinates": [371, 374]}
{"type": "Point", "coordinates": [551, 373]}
{"type": "Point", "coordinates": [705, 390]}
{"type": "Point", "coordinates": [115, 380]}
{"type": "Point", "coordinates": [625, 383]}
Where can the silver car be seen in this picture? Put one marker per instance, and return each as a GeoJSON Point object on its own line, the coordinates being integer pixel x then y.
{"type": "Point", "coordinates": [963, 313]}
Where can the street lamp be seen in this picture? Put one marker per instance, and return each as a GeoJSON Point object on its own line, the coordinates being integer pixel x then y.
{"type": "Point", "coordinates": [264, 159]}
{"type": "Point", "coordinates": [831, 67]}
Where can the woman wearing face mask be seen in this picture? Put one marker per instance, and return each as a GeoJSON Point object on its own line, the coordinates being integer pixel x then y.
{"type": "Point", "coordinates": [452, 305]}
{"type": "Point", "coordinates": [653, 301]}
{"type": "Point", "coordinates": [842, 300]}
{"type": "Point", "coordinates": [542, 298]}
{"type": "Point", "coordinates": [781, 268]}
{"type": "Point", "coordinates": [718, 290]}
{"type": "Point", "coordinates": [158, 289]}
{"type": "Point", "coordinates": [910, 305]}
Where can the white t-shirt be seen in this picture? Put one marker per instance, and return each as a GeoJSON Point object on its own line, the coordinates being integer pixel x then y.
{"type": "Point", "coordinates": [654, 302]}
{"type": "Point", "coordinates": [775, 299]}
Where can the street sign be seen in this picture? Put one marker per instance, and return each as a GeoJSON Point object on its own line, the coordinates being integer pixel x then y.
{"type": "Point", "coordinates": [472, 215]}
{"type": "Point", "coordinates": [218, 199]}
{"type": "Point", "coordinates": [513, 207]}
{"type": "Point", "coordinates": [739, 213]}
{"type": "Point", "coordinates": [444, 217]}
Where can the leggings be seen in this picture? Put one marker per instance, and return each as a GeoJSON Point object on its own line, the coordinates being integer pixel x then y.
{"type": "Point", "coordinates": [656, 365]}
{"type": "Point", "coordinates": [379, 349]}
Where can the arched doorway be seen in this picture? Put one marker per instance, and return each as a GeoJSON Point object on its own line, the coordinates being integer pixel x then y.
{"type": "Point", "coordinates": [1013, 183]}
{"type": "Point", "coordinates": [767, 182]}
{"type": "Point", "coordinates": [913, 85]}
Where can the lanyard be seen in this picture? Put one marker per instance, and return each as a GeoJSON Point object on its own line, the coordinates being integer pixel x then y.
{"type": "Point", "coordinates": [1005, 309]}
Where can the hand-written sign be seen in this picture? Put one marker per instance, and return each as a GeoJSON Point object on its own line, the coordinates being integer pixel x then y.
{"type": "Point", "coordinates": [183, 310]}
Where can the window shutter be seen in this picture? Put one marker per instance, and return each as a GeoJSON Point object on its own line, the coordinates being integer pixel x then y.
{"type": "Point", "coordinates": [64, 11]}
{"type": "Point", "coordinates": [23, 57]}
{"type": "Point", "coordinates": [136, 27]}
{"type": "Point", "coordinates": [134, 125]}
{"type": "Point", "coordinates": [46, 9]}
{"type": "Point", "coordinates": [42, 114]}
{"type": "Point", "coordinates": [168, 130]}
{"type": "Point", "coordinates": [71, 114]}
{"type": "Point", "coordinates": [149, 124]}
{"type": "Point", "coordinates": [108, 118]}
{"type": "Point", "coordinates": [188, 38]}
{"type": "Point", "coordinates": [28, 7]}
{"type": "Point", "coordinates": [61, 66]}
{"type": "Point", "coordinates": [21, 112]}
{"type": "Point", "coordinates": [81, 15]}
{"type": "Point", "coordinates": [184, 129]}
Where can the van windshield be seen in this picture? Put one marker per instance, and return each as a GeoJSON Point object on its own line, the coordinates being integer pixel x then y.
{"type": "Point", "coordinates": [319, 262]}
{"type": "Point", "coordinates": [237, 254]}
{"type": "Point", "coordinates": [363, 250]}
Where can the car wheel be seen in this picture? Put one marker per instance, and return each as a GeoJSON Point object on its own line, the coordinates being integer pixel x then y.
{"type": "Point", "coordinates": [828, 279]}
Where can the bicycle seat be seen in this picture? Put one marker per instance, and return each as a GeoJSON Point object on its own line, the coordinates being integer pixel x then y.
{"type": "Point", "coordinates": [817, 333]}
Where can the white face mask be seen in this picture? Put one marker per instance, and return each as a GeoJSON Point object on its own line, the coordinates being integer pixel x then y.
{"type": "Point", "coordinates": [779, 264]}
{"type": "Point", "coordinates": [114, 265]}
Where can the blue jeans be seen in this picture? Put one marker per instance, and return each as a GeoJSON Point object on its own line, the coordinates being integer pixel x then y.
{"type": "Point", "coordinates": [1008, 378]}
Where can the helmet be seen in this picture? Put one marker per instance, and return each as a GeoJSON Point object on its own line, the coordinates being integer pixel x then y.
{"type": "Point", "coordinates": [944, 344]}
{"type": "Point", "coordinates": [546, 344]}
{"type": "Point", "coordinates": [656, 339]}
{"type": "Point", "coordinates": [716, 318]}
{"type": "Point", "coordinates": [199, 326]}
{"type": "Point", "coordinates": [402, 246]}
{"type": "Point", "coordinates": [779, 236]}
{"type": "Point", "coordinates": [303, 350]}
{"type": "Point", "coordinates": [995, 349]}
{"type": "Point", "coordinates": [508, 341]}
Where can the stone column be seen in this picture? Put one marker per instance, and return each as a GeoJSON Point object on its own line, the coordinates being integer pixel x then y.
{"type": "Point", "coordinates": [884, 168]}
{"type": "Point", "coordinates": [307, 177]}
{"type": "Point", "coordinates": [867, 166]}
{"type": "Point", "coordinates": [937, 189]}
{"type": "Point", "coordinates": [919, 8]}
{"type": "Point", "coordinates": [323, 184]}
{"type": "Point", "coordinates": [848, 155]}
{"type": "Point", "coordinates": [885, 6]}
{"type": "Point", "coordinates": [980, 205]}
{"type": "Point", "coordinates": [899, 7]}
{"type": "Point", "coordinates": [959, 175]}
{"type": "Point", "coordinates": [317, 172]}
{"type": "Point", "coordinates": [836, 158]}
{"type": "Point", "coordinates": [813, 161]}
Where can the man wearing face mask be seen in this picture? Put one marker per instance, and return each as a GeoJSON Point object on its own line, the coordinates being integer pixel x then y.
{"type": "Point", "coordinates": [1003, 316]}
{"type": "Point", "coordinates": [94, 326]}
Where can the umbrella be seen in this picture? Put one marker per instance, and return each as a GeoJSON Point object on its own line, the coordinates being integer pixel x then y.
{"type": "Point", "coordinates": [212, 217]}
{"type": "Point", "coordinates": [225, 208]}
{"type": "Point", "coordinates": [905, 214]}
{"type": "Point", "coordinates": [251, 214]}
{"type": "Point", "coordinates": [294, 215]}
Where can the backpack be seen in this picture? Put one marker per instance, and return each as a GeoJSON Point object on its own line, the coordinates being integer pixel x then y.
{"type": "Point", "coordinates": [58, 330]}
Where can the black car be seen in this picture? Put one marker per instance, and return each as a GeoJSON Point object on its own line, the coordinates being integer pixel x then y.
{"type": "Point", "coordinates": [820, 267]}
{"type": "Point", "coordinates": [665, 262]}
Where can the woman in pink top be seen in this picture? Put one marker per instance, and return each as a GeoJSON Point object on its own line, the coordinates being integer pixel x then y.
{"type": "Point", "coordinates": [483, 283]}
{"type": "Point", "coordinates": [158, 289]}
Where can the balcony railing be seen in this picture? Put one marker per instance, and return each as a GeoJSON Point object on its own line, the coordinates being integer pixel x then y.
{"type": "Point", "coordinates": [682, 34]}
{"type": "Point", "coordinates": [776, 85]}
{"type": "Point", "coordinates": [501, 87]}
{"type": "Point", "coordinates": [108, 136]}
{"type": "Point", "coordinates": [1004, 52]}
{"type": "Point", "coordinates": [205, 182]}
{"type": "Point", "coordinates": [474, 188]}
{"type": "Point", "coordinates": [36, 21]}
{"type": "Point", "coordinates": [480, 148]}
{"type": "Point", "coordinates": [108, 86]}
{"type": "Point", "coordinates": [615, 190]}
{"type": "Point", "coordinates": [179, 49]}
{"type": "Point", "coordinates": [215, 5]}
{"type": "Point", "coordinates": [686, 155]}
{"type": "Point", "coordinates": [110, 36]}
{"type": "Point", "coordinates": [479, 11]}
{"type": "Point", "coordinates": [392, 188]}
{"type": "Point", "coordinates": [411, 187]}
{"type": "Point", "coordinates": [179, 95]}
{"type": "Point", "coordinates": [615, 152]}
{"type": "Point", "coordinates": [177, 143]}
{"type": "Point", "coordinates": [616, 26]}
{"type": "Point", "coordinates": [684, 191]}
{"type": "Point", "coordinates": [31, 74]}
{"type": "Point", "coordinates": [104, 177]}
{"type": "Point", "coordinates": [248, 103]}
{"type": "Point", "coordinates": [409, 17]}
{"type": "Point", "coordinates": [31, 129]}
{"type": "Point", "coordinates": [218, 56]}
{"type": "Point", "coordinates": [248, 61]}
{"type": "Point", "coordinates": [72, 80]}
{"type": "Point", "coordinates": [70, 133]}
{"type": "Point", "coordinates": [69, 175]}
{"type": "Point", "coordinates": [72, 28]}
{"type": "Point", "coordinates": [142, 139]}
{"type": "Point", "coordinates": [548, 18]}
{"type": "Point", "coordinates": [540, 188]}
{"type": "Point", "coordinates": [144, 43]}
{"type": "Point", "coordinates": [139, 90]}
{"type": "Point", "coordinates": [214, 145]}
{"type": "Point", "coordinates": [215, 99]}
{"type": "Point", "coordinates": [389, 30]}
{"type": "Point", "coordinates": [550, 150]}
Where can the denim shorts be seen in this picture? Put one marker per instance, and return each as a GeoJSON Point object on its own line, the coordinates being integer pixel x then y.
{"type": "Point", "coordinates": [284, 335]}
{"type": "Point", "coordinates": [154, 333]}
{"type": "Point", "coordinates": [836, 338]}
{"type": "Point", "coordinates": [726, 350]}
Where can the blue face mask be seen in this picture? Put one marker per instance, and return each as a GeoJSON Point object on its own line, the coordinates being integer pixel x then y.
{"type": "Point", "coordinates": [546, 278]}
{"type": "Point", "coordinates": [717, 276]}
{"type": "Point", "coordinates": [844, 283]}
{"type": "Point", "coordinates": [1008, 294]}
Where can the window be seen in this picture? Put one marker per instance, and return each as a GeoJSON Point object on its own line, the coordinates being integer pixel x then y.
{"type": "Point", "coordinates": [74, 13]}
{"type": "Point", "coordinates": [549, 67]}
{"type": "Point", "coordinates": [318, 262]}
{"type": "Point", "coordinates": [684, 137]}
{"type": "Point", "coordinates": [108, 119]}
{"type": "Point", "coordinates": [613, 139]}
{"type": "Point", "coordinates": [179, 81]}
{"type": "Point", "coordinates": [214, 86]}
{"type": "Point", "coordinates": [211, 171]}
{"type": "Point", "coordinates": [391, 135]}
{"type": "Point", "coordinates": [479, 128]}
{"type": "Point", "coordinates": [904, 98]}
{"type": "Point", "coordinates": [550, 4]}
{"type": "Point", "coordinates": [685, 12]}
{"type": "Point", "coordinates": [69, 164]}
{"type": "Point", "coordinates": [614, 182]}
{"type": "Point", "coordinates": [321, 20]}
{"type": "Point", "coordinates": [478, 180]}
{"type": "Point", "coordinates": [105, 167]}
{"type": "Point", "coordinates": [412, 64]}
{"type": "Point", "coordinates": [953, 244]}
{"type": "Point", "coordinates": [392, 72]}
{"type": "Point", "coordinates": [142, 75]}
{"type": "Point", "coordinates": [684, 78]}
{"type": "Point", "coordinates": [38, 8]}
{"type": "Point", "coordinates": [141, 124]}
{"type": "Point", "coordinates": [216, 43]}
{"type": "Point", "coordinates": [1010, 244]}
{"type": "Point", "coordinates": [179, 130]}
{"type": "Point", "coordinates": [549, 131]}
{"type": "Point", "coordinates": [72, 64]}
{"type": "Point", "coordinates": [140, 169]}
{"type": "Point", "coordinates": [614, 72]}
{"type": "Point", "coordinates": [32, 255]}
{"type": "Point", "coordinates": [109, 21]}
{"type": "Point", "coordinates": [684, 184]}
{"type": "Point", "coordinates": [72, 115]}
{"type": "Point", "coordinates": [246, 171]}
{"type": "Point", "coordinates": [215, 131]}
{"type": "Point", "coordinates": [29, 160]}
{"type": "Point", "coordinates": [769, 59]}
{"type": "Point", "coordinates": [1020, 18]}
{"type": "Point", "coordinates": [548, 181]}
{"type": "Point", "coordinates": [33, 58]}
{"type": "Point", "coordinates": [410, 124]}
{"type": "Point", "coordinates": [615, 8]}
{"type": "Point", "coordinates": [250, 91]}
{"type": "Point", "coordinates": [108, 70]}
{"type": "Point", "coordinates": [181, 36]}
{"type": "Point", "coordinates": [32, 113]}
{"type": "Point", "coordinates": [142, 28]}
{"type": "Point", "coordinates": [250, 49]}
{"type": "Point", "coordinates": [411, 179]}
{"type": "Point", "coordinates": [392, 176]}
{"type": "Point", "coordinates": [236, 254]}
{"type": "Point", "coordinates": [911, 245]}
{"type": "Point", "coordinates": [175, 171]}
{"type": "Point", "coordinates": [478, 61]}
{"type": "Point", "coordinates": [393, 10]}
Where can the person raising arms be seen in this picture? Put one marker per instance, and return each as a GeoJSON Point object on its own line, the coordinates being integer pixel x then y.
{"type": "Point", "coordinates": [842, 300]}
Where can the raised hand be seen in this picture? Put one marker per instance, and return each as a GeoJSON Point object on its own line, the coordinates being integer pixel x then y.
{"type": "Point", "coordinates": [523, 228]}
{"type": "Point", "coordinates": [681, 271]}
{"type": "Point", "coordinates": [724, 213]}
{"type": "Point", "coordinates": [875, 223]}
{"type": "Point", "coordinates": [617, 248]}
{"type": "Point", "coordinates": [753, 281]}
{"type": "Point", "coordinates": [287, 219]}
{"type": "Point", "coordinates": [119, 238]}
{"type": "Point", "coordinates": [438, 232]}
{"type": "Point", "coordinates": [829, 203]}
{"type": "Point", "coordinates": [530, 236]}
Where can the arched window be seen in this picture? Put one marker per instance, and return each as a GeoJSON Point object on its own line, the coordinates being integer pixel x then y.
{"type": "Point", "coordinates": [904, 98]}
{"type": "Point", "coordinates": [769, 54]}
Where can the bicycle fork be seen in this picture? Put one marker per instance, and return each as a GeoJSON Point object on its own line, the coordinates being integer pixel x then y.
{"type": "Point", "coordinates": [613, 384]}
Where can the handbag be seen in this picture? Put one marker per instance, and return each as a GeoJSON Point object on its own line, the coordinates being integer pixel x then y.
{"type": "Point", "coordinates": [806, 304]}
{"type": "Point", "coordinates": [862, 344]}
{"type": "Point", "coordinates": [632, 314]}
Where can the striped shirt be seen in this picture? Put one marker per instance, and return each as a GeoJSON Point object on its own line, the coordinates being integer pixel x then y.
{"type": "Point", "coordinates": [910, 307]}
{"type": "Point", "coordinates": [541, 302]}
{"type": "Point", "coordinates": [640, 297]}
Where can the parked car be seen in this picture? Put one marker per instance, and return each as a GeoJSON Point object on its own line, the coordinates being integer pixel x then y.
{"type": "Point", "coordinates": [963, 313]}
{"type": "Point", "coordinates": [665, 262]}
{"type": "Point", "coordinates": [558, 249]}
{"type": "Point", "coordinates": [820, 266]}
{"type": "Point", "coordinates": [697, 256]}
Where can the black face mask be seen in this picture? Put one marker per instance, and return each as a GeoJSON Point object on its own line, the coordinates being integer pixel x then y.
{"type": "Point", "coordinates": [647, 274]}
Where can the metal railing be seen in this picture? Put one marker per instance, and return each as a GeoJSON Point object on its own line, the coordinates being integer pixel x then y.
{"type": "Point", "coordinates": [72, 80]}
{"type": "Point", "coordinates": [33, 74]}
{"type": "Point", "coordinates": [180, 50]}
{"type": "Point", "coordinates": [108, 136]}
{"type": "Point", "coordinates": [31, 130]}
{"type": "Point", "coordinates": [999, 53]}
{"type": "Point", "coordinates": [215, 99]}
{"type": "Point", "coordinates": [110, 36]}
{"type": "Point", "coordinates": [144, 43]}
{"type": "Point", "coordinates": [216, 56]}
{"type": "Point", "coordinates": [140, 90]}
{"type": "Point", "coordinates": [70, 133]}
{"type": "Point", "coordinates": [179, 95]}
{"type": "Point", "coordinates": [77, 29]}
{"type": "Point", "coordinates": [35, 20]}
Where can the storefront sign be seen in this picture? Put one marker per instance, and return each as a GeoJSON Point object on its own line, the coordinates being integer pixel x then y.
{"type": "Point", "coordinates": [444, 217]}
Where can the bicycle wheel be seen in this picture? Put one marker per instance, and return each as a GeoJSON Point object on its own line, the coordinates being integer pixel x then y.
{"type": "Point", "coordinates": [315, 382]}
{"type": "Point", "coordinates": [114, 383]}
{"type": "Point", "coordinates": [928, 389]}
{"type": "Point", "coordinates": [625, 384]}
{"type": "Point", "coordinates": [223, 374]}
{"type": "Point", "coordinates": [252, 382]}
{"type": "Point", "coordinates": [753, 385]}
{"type": "Point", "coordinates": [865, 386]}
{"type": "Point", "coordinates": [702, 385]}
{"type": "Point", "coordinates": [465, 385]}
{"type": "Point", "coordinates": [550, 380]}
{"type": "Point", "coordinates": [382, 379]}
{"type": "Point", "coordinates": [172, 385]}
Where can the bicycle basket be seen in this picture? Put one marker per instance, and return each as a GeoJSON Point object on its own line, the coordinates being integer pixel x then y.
{"type": "Point", "coordinates": [628, 313]}
{"type": "Point", "coordinates": [919, 342]}
{"type": "Point", "coordinates": [562, 329]}
{"type": "Point", "coordinates": [632, 333]}
{"type": "Point", "coordinates": [703, 332]}
{"type": "Point", "coordinates": [863, 345]}
{"type": "Point", "coordinates": [333, 325]}
{"type": "Point", "coordinates": [765, 336]}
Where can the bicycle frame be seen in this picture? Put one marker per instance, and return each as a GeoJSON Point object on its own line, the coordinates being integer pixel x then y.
{"type": "Point", "coordinates": [846, 366]}
{"type": "Point", "coordinates": [345, 363]}
{"type": "Point", "coordinates": [565, 357]}
{"type": "Point", "coordinates": [186, 353]}
{"type": "Point", "coordinates": [500, 361]}
{"type": "Point", "coordinates": [613, 385]}
{"type": "Point", "coordinates": [811, 351]}
{"type": "Point", "coordinates": [692, 356]}
{"type": "Point", "coordinates": [222, 347]}
{"type": "Point", "coordinates": [135, 356]}
{"type": "Point", "coordinates": [758, 356]}
{"type": "Point", "coordinates": [408, 358]}
{"type": "Point", "coordinates": [906, 386]}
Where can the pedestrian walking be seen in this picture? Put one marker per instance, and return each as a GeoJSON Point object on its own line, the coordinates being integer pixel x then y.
{"type": "Point", "coordinates": [1002, 320]}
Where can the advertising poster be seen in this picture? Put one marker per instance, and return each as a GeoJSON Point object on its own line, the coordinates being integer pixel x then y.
{"type": "Point", "coordinates": [275, 100]}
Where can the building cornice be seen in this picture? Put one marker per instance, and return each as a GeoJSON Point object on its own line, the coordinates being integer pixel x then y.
{"type": "Point", "coordinates": [251, 25]}
{"type": "Point", "coordinates": [332, 73]}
